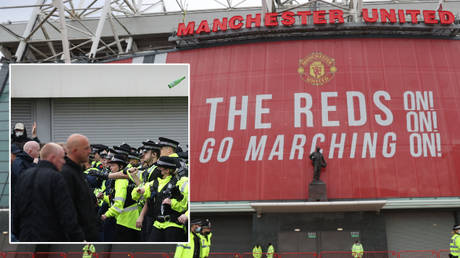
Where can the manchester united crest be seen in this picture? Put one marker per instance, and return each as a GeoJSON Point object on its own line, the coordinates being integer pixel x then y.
{"type": "Point", "coordinates": [317, 68]}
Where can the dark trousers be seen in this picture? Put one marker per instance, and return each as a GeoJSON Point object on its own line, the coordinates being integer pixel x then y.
{"type": "Point", "coordinates": [170, 234]}
{"type": "Point", "coordinates": [451, 256]}
{"type": "Point", "coordinates": [124, 234]}
{"type": "Point", "coordinates": [147, 225]}
{"type": "Point", "coordinates": [108, 230]}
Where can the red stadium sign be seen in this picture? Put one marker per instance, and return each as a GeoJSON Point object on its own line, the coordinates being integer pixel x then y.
{"type": "Point", "coordinates": [320, 17]}
{"type": "Point", "coordinates": [385, 112]}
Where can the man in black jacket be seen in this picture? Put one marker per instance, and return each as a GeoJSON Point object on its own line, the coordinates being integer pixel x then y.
{"type": "Point", "coordinates": [78, 150]}
{"type": "Point", "coordinates": [19, 135]}
{"type": "Point", "coordinates": [24, 160]}
{"type": "Point", "coordinates": [43, 209]}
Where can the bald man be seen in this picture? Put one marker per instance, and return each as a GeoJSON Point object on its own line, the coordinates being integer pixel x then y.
{"type": "Point", "coordinates": [42, 208]}
{"type": "Point", "coordinates": [78, 150]}
{"type": "Point", "coordinates": [23, 161]}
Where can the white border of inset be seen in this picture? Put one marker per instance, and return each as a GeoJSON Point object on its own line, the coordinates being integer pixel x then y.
{"type": "Point", "coordinates": [93, 66]}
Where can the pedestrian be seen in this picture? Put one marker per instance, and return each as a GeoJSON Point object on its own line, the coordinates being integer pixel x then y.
{"type": "Point", "coordinates": [43, 208]}
{"type": "Point", "coordinates": [455, 242]}
{"type": "Point", "coordinates": [192, 249]}
{"type": "Point", "coordinates": [78, 150]}
{"type": "Point", "coordinates": [357, 250]}
{"type": "Point", "coordinates": [24, 160]}
{"type": "Point", "coordinates": [19, 135]}
{"type": "Point", "coordinates": [270, 250]}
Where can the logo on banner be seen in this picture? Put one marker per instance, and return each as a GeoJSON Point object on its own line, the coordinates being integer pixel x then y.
{"type": "Point", "coordinates": [317, 69]}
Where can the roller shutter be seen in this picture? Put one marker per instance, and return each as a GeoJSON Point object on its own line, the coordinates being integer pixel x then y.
{"type": "Point", "coordinates": [112, 121]}
{"type": "Point", "coordinates": [419, 230]}
{"type": "Point", "coordinates": [23, 111]}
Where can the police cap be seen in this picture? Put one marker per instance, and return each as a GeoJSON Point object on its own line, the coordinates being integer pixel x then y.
{"type": "Point", "coordinates": [168, 142]}
{"type": "Point", "coordinates": [118, 158]}
{"type": "Point", "coordinates": [151, 145]}
{"type": "Point", "coordinates": [206, 223]}
{"type": "Point", "coordinates": [456, 227]}
{"type": "Point", "coordinates": [196, 222]}
{"type": "Point", "coordinates": [124, 148]}
{"type": "Point", "coordinates": [166, 162]}
{"type": "Point", "coordinates": [98, 148]}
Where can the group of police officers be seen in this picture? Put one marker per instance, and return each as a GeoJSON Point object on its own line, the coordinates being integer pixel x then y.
{"type": "Point", "coordinates": [143, 195]}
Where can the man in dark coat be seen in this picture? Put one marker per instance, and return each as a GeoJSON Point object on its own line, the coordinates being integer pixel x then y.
{"type": "Point", "coordinates": [24, 160]}
{"type": "Point", "coordinates": [78, 150]}
{"type": "Point", "coordinates": [19, 135]}
{"type": "Point", "coordinates": [43, 209]}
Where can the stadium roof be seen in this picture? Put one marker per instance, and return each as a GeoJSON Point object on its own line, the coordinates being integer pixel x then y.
{"type": "Point", "coordinates": [97, 30]}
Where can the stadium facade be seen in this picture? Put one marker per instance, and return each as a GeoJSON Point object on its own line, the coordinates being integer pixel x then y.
{"type": "Point", "coordinates": [380, 99]}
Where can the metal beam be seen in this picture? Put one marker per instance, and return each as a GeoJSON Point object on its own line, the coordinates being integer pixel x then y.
{"type": "Point", "coordinates": [64, 37]}
{"type": "Point", "coordinates": [40, 23]}
{"type": "Point", "coordinates": [100, 26]}
{"type": "Point", "coordinates": [115, 34]}
{"type": "Point", "coordinates": [30, 24]}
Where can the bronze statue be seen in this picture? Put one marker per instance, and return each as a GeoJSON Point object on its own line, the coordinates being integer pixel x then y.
{"type": "Point", "coordinates": [318, 162]}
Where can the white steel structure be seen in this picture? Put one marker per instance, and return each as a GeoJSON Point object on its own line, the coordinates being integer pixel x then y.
{"type": "Point", "coordinates": [98, 30]}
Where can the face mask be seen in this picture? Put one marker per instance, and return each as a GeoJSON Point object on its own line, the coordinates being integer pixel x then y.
{"type": "Point", "coordinates": [198, 229]}
{"type": "Point", "coordinates": [19, 133]}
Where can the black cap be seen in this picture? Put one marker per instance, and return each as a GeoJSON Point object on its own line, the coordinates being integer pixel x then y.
{"type": "Point", "coordinates": [15, 149]}
{"type": "Point", "coordinates": [98, 148]}
{"type": "Point", "coordinates": [168, 142]}
{"type": "Point", "coordinates": [206, 223]}
{"type": "Point", "coordinates": [456, 227]}
{"type": "Point", "coordinates": [196, 222]}
{"type": "Point", "coordinates": [167, 162]}
{"type": "Point", "coordinates": [118, 158]}
{"type": "Point", "coordinates": [151, 145]}
{"type": "Point", "coordinates": [124, 148]}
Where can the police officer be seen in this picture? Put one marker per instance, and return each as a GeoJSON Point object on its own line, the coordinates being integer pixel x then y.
{"type": "Point", "coordinates": [257, 251]}
{"type": "Point", "coordinates": [167, 202]}
{"type": "Point", "coordinates": [205, 236]}
{"type": "Point", "coordinates": [455, 242]}
{"type": "Point", "coordinates": [88, 251]}
{"type": "Point", "coordinates": [357, 250]}
{"type": "Point", "coordinates": [149, 171]}
{"type": "Point", "coordinates": [123, 207]}
{"type": "Point", "coordinates": [192, 249]}
{"type": "Point", "coordinates": [270, 250]}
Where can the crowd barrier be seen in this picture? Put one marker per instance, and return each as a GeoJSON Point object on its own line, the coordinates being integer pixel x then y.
{"type": "Point", "coordinates": [324, 254]}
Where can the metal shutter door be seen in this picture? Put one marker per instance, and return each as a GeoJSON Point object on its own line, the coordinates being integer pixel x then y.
{"type": "Point", "coordinates": [112, 121]}
{"type": "Point", "coordinates": [418, 230]}
{"type": "Point", "coordinates": [22, 110]}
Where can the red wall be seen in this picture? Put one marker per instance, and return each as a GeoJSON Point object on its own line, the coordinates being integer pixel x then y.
{"type": "Point", "coordinates": [364, 67]}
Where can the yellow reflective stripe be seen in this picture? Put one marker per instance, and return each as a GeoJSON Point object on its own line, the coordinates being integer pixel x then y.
{"type": "Point", "coordinates": [117, 209]}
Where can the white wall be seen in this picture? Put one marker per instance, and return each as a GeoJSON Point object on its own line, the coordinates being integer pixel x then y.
{"type": "Point", "coordinates": [97, 80]}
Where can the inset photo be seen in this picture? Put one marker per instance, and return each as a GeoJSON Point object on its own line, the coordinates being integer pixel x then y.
{"type": "Point", "coordinates": [99, 153]}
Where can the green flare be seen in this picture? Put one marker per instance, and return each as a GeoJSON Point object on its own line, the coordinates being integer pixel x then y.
{"type": "Point", "coordinates": [174, 83]}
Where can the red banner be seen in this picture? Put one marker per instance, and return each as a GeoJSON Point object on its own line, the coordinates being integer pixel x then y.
{"type": "Point", "coordinates": [385, 112]}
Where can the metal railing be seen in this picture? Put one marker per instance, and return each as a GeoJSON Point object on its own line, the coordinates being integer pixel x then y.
{"type": "Point", "coordinates": [323, 254]}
